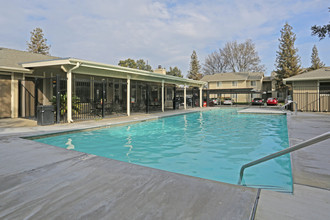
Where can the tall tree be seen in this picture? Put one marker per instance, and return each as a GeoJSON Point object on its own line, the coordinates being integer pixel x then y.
{"type": "Point", "coordinates": [287, 59]}
{"type": "Point", "coordinates": [37, 42]}
{"type": "Point", "coordinates": [141, 65]}
{"type": "Point", "coordinates": [214, 63]}
{"type": "Point", "coordinates": [316, 62]}
{"type": "Point", "coordinates": [174, 72]}
{"type": "Point", "coordinates": [194, 71]}
{"type": "Point", "coordinates": [321, 31]}
{"type": "Point", "coordinates": [234, 57]}
{"type": "Point", "coordinates": [241, 57]}
{"type": "Point", "coordinates": [128, 63]}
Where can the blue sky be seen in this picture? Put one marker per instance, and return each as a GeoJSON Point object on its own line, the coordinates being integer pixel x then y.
{"type": "Point", "coordinates": [163, 32]}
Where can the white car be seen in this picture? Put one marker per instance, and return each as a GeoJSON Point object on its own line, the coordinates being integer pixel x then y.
{"type": "Point", "coordinates": [228, 101]}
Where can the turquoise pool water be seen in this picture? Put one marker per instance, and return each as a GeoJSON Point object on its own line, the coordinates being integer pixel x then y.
{"type": "Point", "coordinates": [211, 144]}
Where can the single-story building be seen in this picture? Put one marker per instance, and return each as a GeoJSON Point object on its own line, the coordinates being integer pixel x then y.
{"type": "Point", "coordinates": [311, 90]}
{"type": "Point", "coordinates": [82, 89]}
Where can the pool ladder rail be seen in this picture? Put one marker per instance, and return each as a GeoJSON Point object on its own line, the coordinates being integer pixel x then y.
{"type": "Point", "coordinates": [289, 102]}
{"type": "Point", "coordinates": [307, 143]}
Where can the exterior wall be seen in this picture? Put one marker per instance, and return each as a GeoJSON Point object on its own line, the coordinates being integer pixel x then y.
{"type": "Point", "coordinates": [5, 96]}
{"type": "Point", "coordinates": [239, 98]}
{"type": "Point", "coordinates": [305, 93]}
{"type": "Point", "coordinates": [240, 84]}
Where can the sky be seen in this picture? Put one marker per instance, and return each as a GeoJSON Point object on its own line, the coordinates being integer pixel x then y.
{"type": "Point", "coordinates": [163, 32]}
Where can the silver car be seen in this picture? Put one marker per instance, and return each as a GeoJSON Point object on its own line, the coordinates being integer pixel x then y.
{"type": "Point", "coordinates": [228, 101]}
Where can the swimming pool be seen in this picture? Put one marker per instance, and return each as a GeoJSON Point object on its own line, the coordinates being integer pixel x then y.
{"type": "Point", "coordinates": [210, 144]}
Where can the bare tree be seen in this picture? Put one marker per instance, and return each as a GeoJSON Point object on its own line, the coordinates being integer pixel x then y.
{"type": "Point", "coordinates": [214, 64]}
{"type": "Point", "coordinates": [241, 57]}
{"type": "Point", "coordinates": [234, 57]}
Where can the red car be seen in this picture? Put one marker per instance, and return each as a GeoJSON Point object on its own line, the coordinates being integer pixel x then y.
{"type": "Point", "coordinates": [272, 101]}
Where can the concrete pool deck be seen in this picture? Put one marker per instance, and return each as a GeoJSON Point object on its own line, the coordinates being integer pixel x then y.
{"type": "Point", "coordinates": [39, 181]}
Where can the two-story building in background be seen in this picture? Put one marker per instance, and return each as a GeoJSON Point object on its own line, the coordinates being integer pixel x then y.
{"type": "Point", "coordinates": [242, 87]}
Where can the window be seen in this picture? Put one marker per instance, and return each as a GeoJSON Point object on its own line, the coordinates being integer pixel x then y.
{"type": "Point", "coordinates": [253, 83]}
{"type": "Point", "coordinates": [234, 83]}
{"type": "Point", "coordinates": [219, 84]}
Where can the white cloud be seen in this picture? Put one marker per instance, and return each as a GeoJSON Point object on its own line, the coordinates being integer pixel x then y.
{"type": "Point", "coordinates": [162, 32]}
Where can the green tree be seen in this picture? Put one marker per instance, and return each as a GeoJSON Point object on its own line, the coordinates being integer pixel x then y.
{"type": "Point", "coordinates": [37, 42]}
{"type": "Point", "coordinates": [141, 65]}
{"type": "Point", "coordinates": [194, 71]}
{"type": "Point", "coordinates": [174, 72]}
{"type": "Point", "coordinates": [287, 59]}
{"type": "Point", "coordinates": [128, 63]}
{"type": "Point", "coordinates": [316, 62]}
{"type": "Point", "coordinates": [321, 31]}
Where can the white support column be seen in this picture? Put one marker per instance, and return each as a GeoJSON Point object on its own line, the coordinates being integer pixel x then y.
{"type": "Point", "coordinates": [163, 104]}
{"type": "Point", "coordinates": [69, 96]}
{"type": "Point", "coordinates": [185, 97]}
{"type": "Point", "coordinates": [128, 95]}
{"type": "Point", "coordinates": [200, 97]}
{"type": "Point", "coordinates": [69, 92]}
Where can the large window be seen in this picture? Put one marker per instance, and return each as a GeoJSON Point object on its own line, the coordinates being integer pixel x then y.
{"type": "Point", "coordinates": [234, 83]}
{"type": "Point", "coordinates": [253, 83]}
{"type": "Point", "coordinates": [219, 84]}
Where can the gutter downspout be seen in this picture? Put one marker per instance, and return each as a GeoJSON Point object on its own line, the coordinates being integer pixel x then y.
{"type": "Point", "coordinates": [69, 90]}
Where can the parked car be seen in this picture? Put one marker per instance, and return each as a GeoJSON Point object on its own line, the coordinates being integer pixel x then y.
{"type": "Point", "coordinates": [228, 101]}
{"type": "Point", "coordinates": [272, 101]}
{"type": "Point", "coordinates": [257, 101]}
{"type": "Point", "coordinates": [214, 101]}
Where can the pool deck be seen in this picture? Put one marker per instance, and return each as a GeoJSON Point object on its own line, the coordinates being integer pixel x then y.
{"type": "Point", "coordinates": [39, 181]}
{"type": "Point", "coordinates": [262, 110]}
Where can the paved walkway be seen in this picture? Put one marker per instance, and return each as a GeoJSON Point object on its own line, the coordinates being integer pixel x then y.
{"type": "Point", "coordinates": [41, 182]}
{"type": "Point", "coordinates": [311, 174]}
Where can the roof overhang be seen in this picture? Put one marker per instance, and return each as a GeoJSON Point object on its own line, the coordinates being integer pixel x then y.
{"type": "Point", "coordinates": [106, 70]}
{"type": "Point", "coordinates": [235, 90]}
{"type": "Point", "coordinates": [306, 79]}
{"type": "Point", "coordinates": [14, 69]}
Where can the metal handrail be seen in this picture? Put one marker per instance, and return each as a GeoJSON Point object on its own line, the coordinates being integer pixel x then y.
{"type": "Point", "coordinates": [307, 143]}
{"type": "Point", "coordinates": [289, 102]}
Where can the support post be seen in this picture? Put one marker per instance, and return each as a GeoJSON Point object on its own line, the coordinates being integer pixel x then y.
{"type": "Point", "coordinates": [35, 97]}
{"type": "Point", "coordinates": [128, 95]}
{"type": "Point", "coordinates": [147, 99]}
{"type": "Point", "coordinates": [58, 101]}
{"type": "Point", "coordinates": [163, 104]}
{"type": "Point", "coordinates": [103, 98]}
{"type": "Point", "coordinates": [69, 92]}
{"type": "Point", "coordinates": [201, 97]}
{"type": "Point", "coordinates": [207, 98]}
{"type": "Point", "coordinates": [69, 96]}
{"type": "Point", "coordinates": [23, 97]}
{"type": "Point", "coordinates": [174, 98]}
{"type": "Point", "coordinates": [185, 97]}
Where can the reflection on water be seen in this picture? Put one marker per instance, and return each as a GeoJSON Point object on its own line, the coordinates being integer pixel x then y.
{"type": "Point", "coordinates": [129, 145]}
{"type": "Point", "coordinates": [69, 144]}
